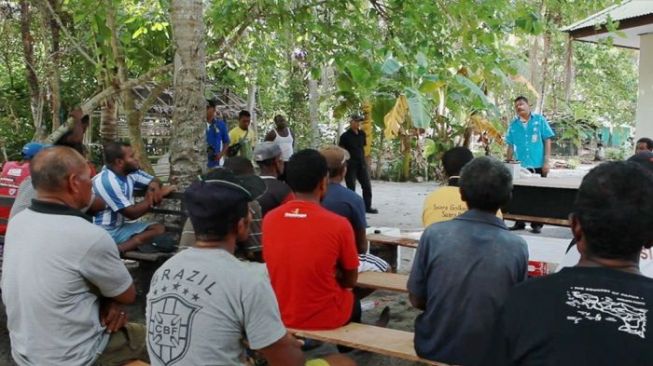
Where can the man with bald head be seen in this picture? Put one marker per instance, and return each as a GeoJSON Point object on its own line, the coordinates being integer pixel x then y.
{"type": "Point", "coordinates": [63, 282]}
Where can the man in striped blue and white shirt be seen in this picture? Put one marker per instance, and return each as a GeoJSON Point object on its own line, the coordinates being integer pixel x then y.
{"type": "Point", "coordinates": [115, 184]}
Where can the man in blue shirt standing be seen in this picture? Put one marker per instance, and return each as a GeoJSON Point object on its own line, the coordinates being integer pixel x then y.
{"type": "Point", "coordinates": [529, 140]}
{"type": "Point", "coordinates": [217, 136]}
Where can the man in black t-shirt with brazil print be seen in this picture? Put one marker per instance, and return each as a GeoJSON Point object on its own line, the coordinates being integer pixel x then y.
{"type": "Point", "coordinates": [597, 312]}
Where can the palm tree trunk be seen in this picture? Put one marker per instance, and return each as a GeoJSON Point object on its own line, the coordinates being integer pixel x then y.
{"type": "Point", "coordinates": [251, 107]}
{"type": "Point", "coordinates": [187, 149]}
{"type": "Point", "coordinates": [108, 121]}
{"type": "Point", "coordinates": [313, 104]}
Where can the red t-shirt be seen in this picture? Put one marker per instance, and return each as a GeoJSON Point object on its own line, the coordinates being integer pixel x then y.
{"type": "Point", "coordinates": [303, 244]}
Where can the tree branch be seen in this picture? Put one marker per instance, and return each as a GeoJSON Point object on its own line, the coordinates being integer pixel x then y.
{"type": "Point", "coordinates": [91, 103]}
{"type": "Point", "coordinates": [155, 93]}
{"type": "Point", "coordinates": [72, 39]}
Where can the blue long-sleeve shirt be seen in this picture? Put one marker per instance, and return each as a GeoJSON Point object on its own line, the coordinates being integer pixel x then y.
{"type": "Point", "coordinates": [216, 135]}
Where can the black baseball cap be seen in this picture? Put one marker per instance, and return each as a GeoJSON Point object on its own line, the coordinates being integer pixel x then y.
{"type": "Point", "coordinates": [357, 118]}
{"type": "Point", "coordinates": [216, 195]}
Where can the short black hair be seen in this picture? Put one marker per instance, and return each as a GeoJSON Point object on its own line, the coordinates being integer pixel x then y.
{"type": "Point", "coordinates": [648, 141]}
{"type": "Point", "coordinates": [244, 113]}
{"type": "Point", "coordinates": [454, 159]}
{"type": "Point", "coordinates": [485, 184]}
{"type": "Point", "coordinates": [239, 165]}
{"type": "Point", "coordinates": [279, 118]}
{"type": "Point", "coordinates": [614, 205]}
{"type": "Point", "coordinates": [211, 103]}
{"type": "Point", "coordinates": [305, 170]}
{"type": "Point", "coordinates": [521, 97]}
{"type": "Point", "coordinates": [113, 151]}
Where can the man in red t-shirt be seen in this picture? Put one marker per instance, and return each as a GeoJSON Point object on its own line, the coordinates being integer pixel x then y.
{"type": "Point", "coordinates": [310, 252]}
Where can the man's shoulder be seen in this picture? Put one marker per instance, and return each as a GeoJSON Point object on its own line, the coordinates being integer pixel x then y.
{"type": "Point", "coordinates": [511, 238]}
{"type": "Point", "coordinates": [338, 193]}
{"type": "Point", "coordinates": [276, 185]}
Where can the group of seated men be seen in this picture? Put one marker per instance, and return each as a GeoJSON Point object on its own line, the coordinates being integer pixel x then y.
{"type": "Point", "coordinates": [64, 284]}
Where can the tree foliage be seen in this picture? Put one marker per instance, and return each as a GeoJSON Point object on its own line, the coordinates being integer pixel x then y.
{"type": "Point", "coordinates": [456, 66]}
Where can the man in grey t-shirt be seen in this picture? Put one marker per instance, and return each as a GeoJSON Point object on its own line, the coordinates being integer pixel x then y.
{"type": "Point", "coordinates": [204, 304]}
{"type": "Point", "coordinates": [63, 281]}
{"type": "Point", "coordinates": [464, 267]}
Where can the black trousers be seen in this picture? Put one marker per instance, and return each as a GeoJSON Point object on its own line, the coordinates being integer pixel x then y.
{"type": "Point", "coordinates": [533, 171]}
{"type": "Point", "coordinates": [358, 171]}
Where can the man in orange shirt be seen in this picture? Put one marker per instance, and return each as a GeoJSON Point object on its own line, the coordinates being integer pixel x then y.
{"type": "Point", "coordinates": [310, 252]}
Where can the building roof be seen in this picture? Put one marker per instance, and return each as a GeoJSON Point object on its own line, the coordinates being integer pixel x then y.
{"type": "Point", "coordinates": [633, 17]}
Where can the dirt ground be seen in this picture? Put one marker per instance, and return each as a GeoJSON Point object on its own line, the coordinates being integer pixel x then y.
{"type": "Point", "coordinates": [400, 206]}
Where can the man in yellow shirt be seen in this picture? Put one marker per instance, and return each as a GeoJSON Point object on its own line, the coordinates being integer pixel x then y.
{"type": "Point", "coordinates": [445, 203]}
{"type": "Point", "coordinates": [242, 140]}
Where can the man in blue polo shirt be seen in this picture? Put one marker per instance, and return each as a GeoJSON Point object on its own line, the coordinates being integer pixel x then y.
{"type": "Point", "coordinates": [348, 204]}
{"type": "Point", "coordinates": [217, 136]}
{"type": "Point", "coordinates": [115, 184]}
{"type": "Point", "coordinates": [529, 140]}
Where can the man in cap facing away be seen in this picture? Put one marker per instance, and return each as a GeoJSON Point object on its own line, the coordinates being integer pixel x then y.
{"type": "Point", "coordinates": [204, 302]}
{"type": "Point", "coordinates": [349, 205]}
{"type": "Point", "coordinates": [268, 155]}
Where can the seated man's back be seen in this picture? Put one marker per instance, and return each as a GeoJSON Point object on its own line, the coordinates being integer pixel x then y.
{"type": "Point", "coordinates": [595, 313]}
{"type": "Point", "coordinates": [464, 268]}
{"type": "Point", "coordinates": [579, 316]}
{"type": "Point", "coordinates": [209, 296]}
{"type": "Point", "coordinates": [205, 307]}
{"type": "Point", "coordinates": [302, 245]}
{"type": "Point", "coordinates": [310, 252]}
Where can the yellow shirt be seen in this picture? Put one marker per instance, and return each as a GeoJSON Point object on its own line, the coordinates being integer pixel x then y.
{"type": "Point", "coordinates": [444, 204]}
{"type": "Point", "coordinates": [236, 134]}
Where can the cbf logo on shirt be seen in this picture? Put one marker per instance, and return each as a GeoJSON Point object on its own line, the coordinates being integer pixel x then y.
{"type": "Point", "coordinates": [171, 318]}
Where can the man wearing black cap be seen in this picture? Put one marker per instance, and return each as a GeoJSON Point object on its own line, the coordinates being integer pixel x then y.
{"type": "Point", "coordinates": [204, 301]}
{"type": "Point", "coordinates": [353, 140]}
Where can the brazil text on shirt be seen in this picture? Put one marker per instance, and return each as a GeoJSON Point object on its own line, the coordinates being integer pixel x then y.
{"type": "Point", "coordinates": [528, 140]}
{"type": "Point", "coordinates": [118, 193]}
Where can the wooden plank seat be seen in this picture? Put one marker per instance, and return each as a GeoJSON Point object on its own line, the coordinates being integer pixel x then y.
{"type": "Point", "coordinates": [384, 341]}
{"type": "Point", "coordinates": [376, 239]}
{"type": "Point", "coordinates": [383, 281]}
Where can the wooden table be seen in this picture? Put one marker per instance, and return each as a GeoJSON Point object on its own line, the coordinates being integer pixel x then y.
{"type": "Point", "coordinates": [542, 200]}
{"type": "Point", "coordinates": [393, 240]}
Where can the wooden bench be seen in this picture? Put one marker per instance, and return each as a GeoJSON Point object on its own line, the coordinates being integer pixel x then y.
{"type": "Point", "coordinates": [381, 239]}
{"type": "Point", "coordinates": [384, 341]}
{"type": "Point", "coordinates": [383, 281]}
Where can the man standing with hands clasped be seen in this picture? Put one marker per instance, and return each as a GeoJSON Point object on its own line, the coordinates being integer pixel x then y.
{"type": "Point", "coordinates": [353, 140]}
{"type": "Point", "coordinates": [529, 140]}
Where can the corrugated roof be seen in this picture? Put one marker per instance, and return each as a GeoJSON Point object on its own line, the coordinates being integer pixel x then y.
{"type": "Point", "coordinates": [626, 10]}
